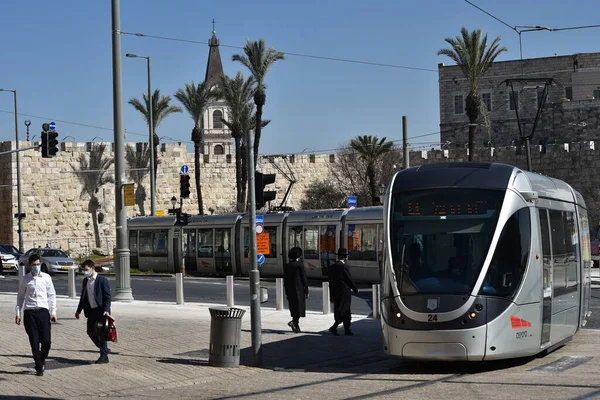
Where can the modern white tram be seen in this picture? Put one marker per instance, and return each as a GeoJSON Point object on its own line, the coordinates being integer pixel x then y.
{"type": "Point", "coordinates": [218, 244]}
{"type": "Point", "coordinates": [482, 261]}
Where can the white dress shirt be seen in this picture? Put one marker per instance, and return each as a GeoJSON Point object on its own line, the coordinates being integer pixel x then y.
{"type": "Point", "coordinates": [36, 292]}
{"type": "Point", "coordinates": [91, 291]}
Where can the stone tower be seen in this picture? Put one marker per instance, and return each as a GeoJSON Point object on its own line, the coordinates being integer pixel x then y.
{"type": "Point", "coordinates": [217, 138]}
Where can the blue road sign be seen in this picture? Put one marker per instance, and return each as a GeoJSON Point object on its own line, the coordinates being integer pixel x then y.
{"type": "Point", "coordinates": [260, 220]}
{"type": "Point", "coordinates": [52, 126]}
{"type": "Point", "coordinates": [184, 169]}
{"type": "Point", "coordinates": [351, 201]}
{"type": "Point", "coordinates": [260, 259]}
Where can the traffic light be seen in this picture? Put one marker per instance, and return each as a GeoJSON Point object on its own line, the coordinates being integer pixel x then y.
{"type": "Point", "coordinates": [184, 186]}
{"type": "Point", "coordinates": [49, 142]}
{"type": "Point", "coordinates": [260, 181]}
{"type": "Point", "coordinates": [183, 219]}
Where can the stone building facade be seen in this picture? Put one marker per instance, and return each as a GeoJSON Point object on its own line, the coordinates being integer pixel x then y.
{"type": "Point", "coordinates": [571, 112]}
{"type": "Point", "coordinates": [57, 215]}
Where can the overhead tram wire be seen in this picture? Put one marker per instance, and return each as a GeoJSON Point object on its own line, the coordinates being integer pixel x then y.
{"type": "Point", "coordinates": [376, 64]}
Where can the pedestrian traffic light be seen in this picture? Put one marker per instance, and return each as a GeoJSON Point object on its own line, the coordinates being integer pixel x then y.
{"type": "Point", "coordinates": [183, 219]}
{"type": "Point", "coordinates": [184, 186]}
{"type": "Point", "coordinates": [260, 181]}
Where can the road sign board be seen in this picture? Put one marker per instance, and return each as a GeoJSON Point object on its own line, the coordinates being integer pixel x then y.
{"type": "Point", "coordinates": [160, 213]}
{"type": "Point", "coordinates": [351, 201]}
{"type": "Point", "coordinates": [52, 126]}
{"type": "Point", "coordinates": [184, 169]}
{"type": "Point", "coordinates": [260, 220]}
{"type": "Point", "coordinates": [260, 259]}
{"type": "Point", "coordinates": [263, 243]}
{"type": "Point", "coordinates": [259, 229]}
{"type": "Point", "coordinates": [129, 194]}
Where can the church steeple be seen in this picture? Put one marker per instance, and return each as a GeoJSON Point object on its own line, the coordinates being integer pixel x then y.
{"type": "Point", "coordinates": [214, 67]}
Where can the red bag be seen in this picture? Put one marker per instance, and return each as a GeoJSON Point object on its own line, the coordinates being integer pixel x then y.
{"type": "Point", "coordinates": [111, 334]}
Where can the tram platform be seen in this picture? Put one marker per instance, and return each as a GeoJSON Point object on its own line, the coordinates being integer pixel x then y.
{"type": "Point", "coordinates": [162, 352]}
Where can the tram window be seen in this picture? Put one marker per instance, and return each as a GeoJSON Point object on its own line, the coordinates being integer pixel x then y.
{"type": "Point", "coordinates": [564, 255]}
{"type": "Point", "coordinates": [510, 257]}
{"type": "Point", "coordinates": [133, 245]}
{"type": "Point", "coordinates": [546, 251]}
{"type": "Point", "coordinates": [362, 242]}
{"type": "Point", "coordinates": [205, 243]}
{"type": "Point", "coordinates": [272, 231]}
{"type": "Point", "coordinates": [191, 243]}
{"type": "Point", "coordinates": [161, 245]}
{"type": "Point", "coordinates": [311, 243]}
{"type": "Point", "coordinates": [327, 242]}
{"type": "Point", "coordinates": [145, 244]}
{"type": "Point", "coordinates": [295, 237]}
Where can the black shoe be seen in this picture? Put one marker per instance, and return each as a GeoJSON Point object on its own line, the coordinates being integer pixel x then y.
{"type": "Point", "coordinates": [291, 325]}
{"type": "Point", "coordinates": [102, 360]}
{"type": "Point", "coordinates": [39, 371]}
{"type": "Point", "coordinates": [297, 328]}
{"type": "Point", "coordinates": [333, 330]}
{"type": "Point", "coordinates": [108, 351]}
{"type": "Point", "coordinates": [349, 332]}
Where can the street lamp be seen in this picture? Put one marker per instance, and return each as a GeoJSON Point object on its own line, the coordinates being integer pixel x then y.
{"type": "Point", "coordinates": [27, 123]}
{"type": "Point", "coordinates": [19, 205]}
{"type": "Point", "coordinates": [151, 133]}
{"type": "Point", "coordinates": [174, 201]}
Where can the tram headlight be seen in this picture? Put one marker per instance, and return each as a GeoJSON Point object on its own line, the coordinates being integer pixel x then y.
{"type": "Point", "coordinates": [478, 307]}
{"type": "Point", "coordinates": [398, 315]}
{"type": "Point", "coordinates": [472, 315]}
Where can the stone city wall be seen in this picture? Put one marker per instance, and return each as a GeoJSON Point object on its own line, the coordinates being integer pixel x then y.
{"type": "Point", "coordinates": [57, 213]}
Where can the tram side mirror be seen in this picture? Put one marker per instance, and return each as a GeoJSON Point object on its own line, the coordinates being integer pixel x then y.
{"type": "Point", "coordinates": [529, 195]}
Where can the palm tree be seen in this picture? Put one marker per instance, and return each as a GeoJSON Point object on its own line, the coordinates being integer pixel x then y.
{"type": "Point", "coordinates": [370, 149]}
{"type": "Point", "coordinates": [195, 99]}
{"type": "Point", "coordinates": [258, 60]}
{"type": "Point", "coordinates": [140, 162]}
{"type": "Point", "coordinates": [471, 54]}
{"type": "Point", "coordinates": [237, 94]}
{"type": "Point", "coordinates": [160, 110]}
{"type": "Point", "coordinates": [92, 174]}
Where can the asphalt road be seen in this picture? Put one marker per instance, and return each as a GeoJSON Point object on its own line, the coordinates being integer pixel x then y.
{"type": "Point", "coordinates": [213, 290]}
{"type": "Point", "coordinates": [202, 290]}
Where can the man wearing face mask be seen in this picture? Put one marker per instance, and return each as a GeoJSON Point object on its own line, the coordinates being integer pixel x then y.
{"type": "Point", "coordinates": [36, 301]}
{"type": "Point", "coordinates": [95, 303]}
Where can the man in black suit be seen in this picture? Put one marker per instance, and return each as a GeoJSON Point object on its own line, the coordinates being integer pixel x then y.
{"type": "Point", "coordinates": [95, 303]}
{"type": "Point", "coordinates": [340, 285]}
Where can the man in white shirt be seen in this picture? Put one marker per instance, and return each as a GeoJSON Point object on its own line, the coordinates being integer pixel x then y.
{"type": "Point", "coordinates": [36, 302]}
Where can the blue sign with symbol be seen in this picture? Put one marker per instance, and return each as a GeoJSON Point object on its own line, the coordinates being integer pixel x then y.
{"type": "Point", "coordinates": [351, 201]}
{"type": "Point", "coordinates": [260, 220]}
{"type": "Point", "coordinates": [184, 169]}
{"type": "Point", "coordinates": [52, 126]}
{"type": "Point", "coordinates": [260, 259]}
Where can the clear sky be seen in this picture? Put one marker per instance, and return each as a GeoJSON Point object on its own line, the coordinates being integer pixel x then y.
{"type": "Point", "coordinates": [57, 54]}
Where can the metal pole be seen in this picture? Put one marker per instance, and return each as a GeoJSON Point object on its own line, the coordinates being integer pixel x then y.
{"type": "Point", "coordinates": [179, 288]}
{"type": "Point", "coordinates": [123, 291]}
{"type": "Point", "coordinates": [376, 300]}
{"type": "Point", "coordinates": [326, 301]}
{"type": "Point", "coordinates": [528, 152]}
{"type": "Point", "coordinates": [405, 141]}
{"type": "Point", "coordinates": [151, 132]}
{"type": "Point", "coordinates": [19, 202]}
{"type": "Point", "coordinates": [254, 272]}
{"type": "Point", "coordinates": [18, 151]}
{"type": "Point", "coordinates": [230, 296]}
{"type": "Point", "coordinates": [182, 258]}
{"type": "Point", "coordinates": [279, 294]}
{"type": "Point", "coordinates": [71, 279]}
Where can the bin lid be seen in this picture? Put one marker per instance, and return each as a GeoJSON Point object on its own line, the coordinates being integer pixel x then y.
{"type": "Point", "coordinates": [226, 312]}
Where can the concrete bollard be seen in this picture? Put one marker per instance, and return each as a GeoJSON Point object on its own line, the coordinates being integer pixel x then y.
{"type": "Point", "coordinates": [279, 294]}
{"type": "Point", "coordinates": [21, 273]}
{"type": "Point", "coordinates": [326, 298]}
{"type": "Point", "coordinates": [179, 288]}
{"type": "Point", "coordinates": [376, 301]}
{"type": "Point", "coordinates": [230, 296]}
{"type": "Point", "coordinates": [71, 283]}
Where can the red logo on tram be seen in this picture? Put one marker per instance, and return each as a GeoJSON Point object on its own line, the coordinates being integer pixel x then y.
{"type": "Point", "coordinates": [518, 323]}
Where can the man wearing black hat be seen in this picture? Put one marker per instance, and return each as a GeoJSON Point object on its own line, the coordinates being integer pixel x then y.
{"type": "Point", "coordinates": [95, 303]}
{"type": "Point", "coordinates": [340, 285]}
{"type": "Point", "coordinates": [296, 287]}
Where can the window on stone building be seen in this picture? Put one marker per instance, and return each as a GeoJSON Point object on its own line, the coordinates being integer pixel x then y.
{"type": "Point", "coordinates": [597, 94]}
{"type": "Point", "coordinates": [513, 99]}
{"type": "Point", "coordinates": [486, 98]}
{"type": "Point", "coordinates": [219, 151]}
{"type": "Point", "coordinates": [217, 119]}
{"type": "Point", "coordinates": [569, 92]}
{"type": "Point", "coordinates": [540, 95]}
{"type": "Point", "coordinates": [459, 105]}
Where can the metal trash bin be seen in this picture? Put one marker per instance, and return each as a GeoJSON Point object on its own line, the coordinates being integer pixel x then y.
{"type": "Point", "coordinates": [225, 335]}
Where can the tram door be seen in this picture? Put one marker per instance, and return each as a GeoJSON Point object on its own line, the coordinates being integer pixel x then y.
{"type": "Point", "coordinates": [190, 251]}
{"type": "Point", "coordinates": [547, 278]}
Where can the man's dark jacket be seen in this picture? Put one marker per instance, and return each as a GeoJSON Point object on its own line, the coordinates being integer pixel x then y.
{"type": "Point", "coordinates": [101, 293]}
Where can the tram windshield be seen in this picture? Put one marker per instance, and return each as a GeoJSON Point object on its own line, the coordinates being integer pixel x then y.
{"type": "Point", "coordinates": [440, 238]}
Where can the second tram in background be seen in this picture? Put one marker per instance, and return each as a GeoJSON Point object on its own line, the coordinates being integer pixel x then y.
{"type": "Point", "coordinates": [482, 261]}
{"type": "Point", "coordinates": [218, 244]}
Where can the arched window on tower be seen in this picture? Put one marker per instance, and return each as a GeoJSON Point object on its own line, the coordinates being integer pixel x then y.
{"type": "Point", "coordinates": [217, 119]}
{"type": "Point", "coordinates": [219, 150]}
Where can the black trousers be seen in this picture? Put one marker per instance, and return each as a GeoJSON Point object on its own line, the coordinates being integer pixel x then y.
{"type": "Point", "coordinates": [37, 326]}
{"type": "Point", "coordinates": [93, 316]}
{"type": "Point", "coordinates": [342, 309]}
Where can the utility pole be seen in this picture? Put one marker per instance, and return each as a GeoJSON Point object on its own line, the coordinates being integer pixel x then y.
{"type": "Point", "coordinates": [405, 141]}
{"type": "Point", "coordinates": [123, 291]}
{"type": "Point", "coordinates": [255, 325]}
